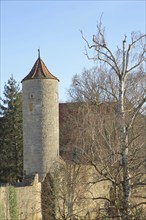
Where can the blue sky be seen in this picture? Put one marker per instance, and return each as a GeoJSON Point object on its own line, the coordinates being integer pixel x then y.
{"type": "Point", "coordinates": [54, 27]}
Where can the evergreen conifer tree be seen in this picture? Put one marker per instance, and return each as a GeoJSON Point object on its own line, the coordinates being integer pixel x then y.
{"type": "Point", "coordinates": [11, 142]}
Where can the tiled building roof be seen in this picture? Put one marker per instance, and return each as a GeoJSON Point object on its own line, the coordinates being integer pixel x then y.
{"type": "Point", "coordinates": [39, 71]}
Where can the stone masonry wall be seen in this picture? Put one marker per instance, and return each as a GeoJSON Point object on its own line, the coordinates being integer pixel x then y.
{"type": "Point", "coordinates": [40, 125]}
{"type": "Point", "coordinates": [21, 203]}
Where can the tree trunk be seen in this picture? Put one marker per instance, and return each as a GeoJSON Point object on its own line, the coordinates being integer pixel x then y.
{"type": "Point", "coordinates": [124, 152]}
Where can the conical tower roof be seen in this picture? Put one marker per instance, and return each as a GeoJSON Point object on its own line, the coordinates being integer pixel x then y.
{"type": "Point", "coordinates": [39, 71]}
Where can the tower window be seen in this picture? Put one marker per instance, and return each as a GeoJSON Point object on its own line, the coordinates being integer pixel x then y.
{"type": "Point", "coordinates": [30, 103]}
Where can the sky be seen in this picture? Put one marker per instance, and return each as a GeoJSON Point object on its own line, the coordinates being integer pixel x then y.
{"type": "Point", "coordinates": [54, 27]}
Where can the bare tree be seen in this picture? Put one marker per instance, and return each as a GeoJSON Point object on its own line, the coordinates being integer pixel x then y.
{"type": "Point", "coordinates": [119, 135]}
{"type": "Point", "coordinates": [64, 194]}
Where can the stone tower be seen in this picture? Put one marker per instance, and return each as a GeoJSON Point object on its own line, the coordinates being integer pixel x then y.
{"type": "Point", "coordinates": [40, 120]}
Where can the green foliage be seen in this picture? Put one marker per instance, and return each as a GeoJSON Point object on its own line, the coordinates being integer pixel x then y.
{"type": "Point", "coordinates": [11, 143]}
{"type": "Point", "coordinates": [13, 203]}
{"type": "Point", "coordinates": [2, 212]}
{"type": "Point", "coordinates": [56, 183]}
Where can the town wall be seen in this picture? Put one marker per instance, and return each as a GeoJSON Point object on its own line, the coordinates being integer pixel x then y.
{"type": "Point", "coordinates": [21, 202]}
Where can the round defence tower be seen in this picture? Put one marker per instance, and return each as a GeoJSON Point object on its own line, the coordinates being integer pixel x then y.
{"type": "Point", "coordinates": [40, 121]}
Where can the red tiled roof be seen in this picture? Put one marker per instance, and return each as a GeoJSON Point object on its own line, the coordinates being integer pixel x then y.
{"type": "Point", "coordinates": [39, 71]}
